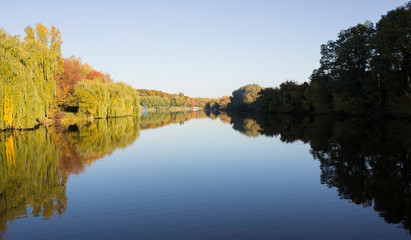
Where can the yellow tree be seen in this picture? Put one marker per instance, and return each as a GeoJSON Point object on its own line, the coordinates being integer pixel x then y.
{"type": "Point", "coordinates": [27, 69]}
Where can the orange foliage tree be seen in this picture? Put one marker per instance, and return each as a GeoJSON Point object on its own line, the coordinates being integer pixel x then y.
{"type": "Point", "coordinates": [93, 74]}
{"type": "Point", "coordinates": [65, 81]}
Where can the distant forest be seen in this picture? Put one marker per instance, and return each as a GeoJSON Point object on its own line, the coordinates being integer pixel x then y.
{"type": "Point", "coordinates": [155, 99]}
{"type": "Point", "coordinates": [366, 71]}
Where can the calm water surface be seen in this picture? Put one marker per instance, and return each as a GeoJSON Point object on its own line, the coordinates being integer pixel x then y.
{"type": "Point", "coordinates": [198, 176]}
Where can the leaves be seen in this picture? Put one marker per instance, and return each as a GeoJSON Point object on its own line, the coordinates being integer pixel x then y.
{"type": "Point", "coordinates": [102, 100]}
{"type": "Point", "coordinates": [366, 71]}
{"type": "Point", "coordinates": [27, 69]}
{"type": "Point", "coordinates": [244, 97]}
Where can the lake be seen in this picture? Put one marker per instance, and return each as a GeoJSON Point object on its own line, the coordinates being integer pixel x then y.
{"type": "Point", "coordinates": [198, 175]}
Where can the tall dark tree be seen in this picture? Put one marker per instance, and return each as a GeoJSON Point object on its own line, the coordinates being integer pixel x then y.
{"type": "Point", "coordinates": [392, 63]}
{"type": "Point", "coordinates": [393, 43]}
{"type": "Point", "coordinates": [318, 93]}
{"type": "Point", "coordinates": [345, 70]}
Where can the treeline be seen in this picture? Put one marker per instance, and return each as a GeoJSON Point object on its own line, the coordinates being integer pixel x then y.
{"type": "Point", "coordinates": [155, 99]}
{"type": "Point", "coordinates": [104, 100]}
{"type": "Point", "coordinates": [245, 97]}
{"type": "Point", "coordinates": [366, 71]}
{"type": "Point", "coordinates": [38, 83]}
{"type": "Point", "coordinates": [217, 104]}
{"type": "Point", "coordinates": [84, 90]}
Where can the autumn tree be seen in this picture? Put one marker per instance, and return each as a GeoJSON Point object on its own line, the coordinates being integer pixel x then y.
{"type": "Point", "coordinates": [27, 69]}
{"type": "Point", "coordinates": [66, 81]}
{"type": "Point", "coordinates": [224, 101]}
{"type": "Point", "coordinates": [104, 100]}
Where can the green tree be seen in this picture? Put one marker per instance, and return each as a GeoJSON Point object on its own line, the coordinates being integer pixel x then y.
{"type": "Point", "coordinates": [392, 63]}
{"type": "Point", "coordinates": [288, 98]}
{"type": "Point", "coordinates": [27, 69]}
{"type": "Point", "coordinates": [345, 70]}
{"type": "Point", "coordinates": [244, 98]}
{"type": "Point", "coordinates": [318, 94]}
{"type": "Point", "coordinates": [103, 100]}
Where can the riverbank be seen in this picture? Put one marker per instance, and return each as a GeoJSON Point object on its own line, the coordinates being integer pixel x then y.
{"type": "Point", "coordinates": [69, 118]}
{"type": "Point", "coordinates": [171, 109]}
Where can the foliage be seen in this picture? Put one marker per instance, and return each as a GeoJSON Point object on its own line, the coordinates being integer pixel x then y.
{"type": "Point", "coordinates": [155, 99]}
{"type": "Point", "coordinates": [200, 102]}
{"type": "Point", "coordinates": [217, 104]}
{"type": "Point", "coordinates": [289, 98]}
{"type": "Point", "coordinates": [27, 68]}
{"type": "Point", "coordinates": [346, 68]}
{"type": "Point", "coordinates": [84, 90]}
{"type": "Point", "coordinates": [244, 98]}
{"type": "Point", "coordinates": [393, 61]}
{"type": "Point", "coordinates": [365, 72]}
{"type": "Point", "coordinates": [224, 101]}
{"type": "Point", "coordinates": [213, 105]}
{"type": "Point", "coordinates": [103, 100]}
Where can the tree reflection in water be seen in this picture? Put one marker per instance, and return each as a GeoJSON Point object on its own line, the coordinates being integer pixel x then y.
{"type": "Point", "coordinates": [30, 176]}
{"type": "Point", "coordinates": [35, 165]}
{"type": "Point", "coordinates": [368, 162]}
{"type": "Point", "coordinates": [161, 119]}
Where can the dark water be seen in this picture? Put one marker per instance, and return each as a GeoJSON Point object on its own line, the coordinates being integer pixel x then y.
{"type": "Point", "coordinates": [203, 176]}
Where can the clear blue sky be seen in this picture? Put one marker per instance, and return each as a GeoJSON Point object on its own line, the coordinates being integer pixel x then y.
{"type": "Point", "coordinates": [201, 48]}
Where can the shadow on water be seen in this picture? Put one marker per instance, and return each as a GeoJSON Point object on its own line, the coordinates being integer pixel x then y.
{"type": "Point", "coordinates": [369, 163]}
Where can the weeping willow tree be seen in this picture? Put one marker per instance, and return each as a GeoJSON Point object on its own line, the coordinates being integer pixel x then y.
{"type": "Point", "coordinates": [27, 69]}
{"type": "Point", "coordinates": [103, 100]}
{"type": "Point", "coordinates": [30, 177]}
